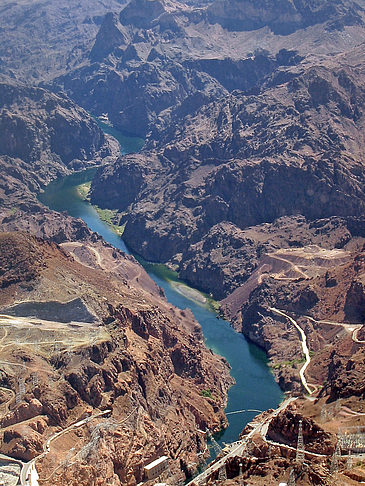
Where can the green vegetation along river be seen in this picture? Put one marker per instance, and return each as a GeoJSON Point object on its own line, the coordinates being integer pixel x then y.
{"type": "Point", "coordinates": [255, 386]}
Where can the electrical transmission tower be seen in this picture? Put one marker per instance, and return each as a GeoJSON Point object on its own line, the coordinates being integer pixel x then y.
{"type": "Point", "coordinates": [222, 474]}
{"type": "Point", "coordinates": [216, 447]}
{"type": "Point", "coordinates": [291, 481]}
{"type": "Point", "coordinates": [250, 448]}
{"type": "Point", "coordinates": [350, 461]}
{"type": "Point", "coordinates": [21, 390]}
{"type": "Point", "coordinates": [335, 459]}
{"type": "Point", "coordinates": [323, 414]}
{"type": "Point", "coordinates": [35, 380]}
{"type": "Point", "coordinates": [300, 444]}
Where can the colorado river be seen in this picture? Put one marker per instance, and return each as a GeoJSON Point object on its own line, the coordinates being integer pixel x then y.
{"type": "Point", "coordinates": [255, 386]}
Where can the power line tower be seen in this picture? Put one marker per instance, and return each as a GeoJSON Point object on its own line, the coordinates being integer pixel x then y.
{"type": "Point", "coordinates": [335, 459]}
{"type": "Point", "coordinates": [21, 390]}
{"type": "Point", "coordinates": [291, 481]}
{"type": "Point", "coordinates": [222, 473]}
{"type": "Point", "coordinates": [213, 443]}
{"type": "Point", "coordinates": [216, 447]}
{"type": "Point", "coordinates": [250, 448]}
{"type": "Point", "coordinates": [300, 444]}
{"type": "Point", "coordinates": [35, 380]}
{"type": "Point", "coordinates": [323, 414]}
{"type": "Point", "coordinates": [269, 450]}
{"type": "Point", "coordinates": [350, 461]}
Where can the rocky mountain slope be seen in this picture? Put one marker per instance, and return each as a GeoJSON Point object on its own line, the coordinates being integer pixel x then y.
{"type": "Point", "coordinates": [320, 288]}
{"type": "Point", "coordinates": [43, 136]}
{"type": "Point", "coordinates": [251, 185]}
{"type": "Point", "coordinates": [102, 336]}
{"type": "Point", "coordinates": [42, 38]}
{"type": "Point", "coordinates": [239, 160]}
{"type": "Point", "coordinates": [155, 55]}
{"type": "Point", "coordinates": [135, 355]}
{"type": "Point", "coordinates": [257, 197]}
{"type": "Point", "coordinates": [287, 17]}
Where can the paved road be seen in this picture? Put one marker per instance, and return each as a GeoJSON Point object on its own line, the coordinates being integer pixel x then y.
{"type": "Point", "coordinates": [353, 328]}
{"type": "Point", "coordinates": [46, 446]}
{"type": "Point", "coordinates": [3, 457]}
{"type": "Point", "coordinates": [354, 336]}
{"type": "Point", "coordinates": [238, 448]}
{"type": "Point", "coordinates": [304, 348]}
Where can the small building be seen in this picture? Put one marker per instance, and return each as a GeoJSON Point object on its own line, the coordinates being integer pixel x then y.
{"type": "Point", "coordinates": [157, 467]}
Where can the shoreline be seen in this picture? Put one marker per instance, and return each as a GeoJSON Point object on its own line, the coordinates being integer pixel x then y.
{"type": "Point", "coordinates": [189, 292]}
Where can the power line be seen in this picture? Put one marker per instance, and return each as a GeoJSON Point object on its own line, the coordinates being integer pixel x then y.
{"type": "Point", "coordinates": [300, 444]}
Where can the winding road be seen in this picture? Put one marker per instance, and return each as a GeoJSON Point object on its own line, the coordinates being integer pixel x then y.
{"type": "Point", "coordinates": [353, 328]}
{"type": "Point", "coordinates": [238, 448]}
{"type": "Point", "coordinates": [25, 472]}
{"type": "Point", "coordinates": [304, 348]}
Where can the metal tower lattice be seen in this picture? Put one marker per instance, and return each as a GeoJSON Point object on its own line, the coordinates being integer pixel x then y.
{"type": "Point", "coordinates": [35, 380]}
{"type": "Point", "coordinates": [21, 390]}
{"type": "Point", "coordinates": [222, 474]}
{"type": "Point", "coordinates": [350, 461]}
{"type": "Point", "coordinates": [323, 414]}
{"type": "Point", "coordinates": [300, 444]}
{"type": "Point", "coordinates": [335, 459]}
{"type": "Point", "coordinates": [291, 481]}
{"type": "Point", "coordinates": [216, 447]}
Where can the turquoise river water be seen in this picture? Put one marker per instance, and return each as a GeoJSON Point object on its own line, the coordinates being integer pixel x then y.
{"type": "Point", "coordinates": [255, 387]}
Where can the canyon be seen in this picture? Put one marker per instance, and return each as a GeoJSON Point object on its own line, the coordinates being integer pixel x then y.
{"type": "Point", "coordinates": [250, 185]}
{"type": "Point", "coordinates": [83, 323]}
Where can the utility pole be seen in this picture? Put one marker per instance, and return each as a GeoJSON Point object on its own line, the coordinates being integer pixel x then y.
{"type": "Point", "coordinates": [335, 459]}
{"type": "Point", "coordinates": [300, 444]}
{"type": "Point", "coordinates": [35, 380]}
{"type": "Point", "coordinates": [291, 481]}
{"type": "Point", "coordinates": [222, 474]}
{"type": "Point", "coordinates": [216, 447]}
{"type": "Point", "coordinates": [21, 390]}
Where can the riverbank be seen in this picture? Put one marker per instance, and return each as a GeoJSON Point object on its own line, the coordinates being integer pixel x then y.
{"type": "Point", "coordinates": [255, 385]}
{"type": "Point", "coordinates": [109, 216]}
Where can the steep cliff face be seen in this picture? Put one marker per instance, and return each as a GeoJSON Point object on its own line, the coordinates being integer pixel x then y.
{"type": "Point", "coordinates": [155, 56]}
{"type": "Point", "coordinates": [283, 17]}
{"type": "Point", "coordinates": [145, 361]}
{"type": "Point", "coordinates": [140, 13]}
{"type": "Point", "coordinates": [345, 374]}
{"type": "Point", "coordinates": [139, 88]}
{"type": "Point", "coordinates": [240, 160]}
{"type": "Point", "coordinates": [314, 286]}
{"type": "Point", "coordinates": [36, 123]}
{"type": "Point", "coordinates": [111, 35]}
{"type": "Point", "coordinates": [39, 40]}
{"type": "Point", "coordinates": [228, 256]}
{"type": "Point", "coordinates": [43, 136]}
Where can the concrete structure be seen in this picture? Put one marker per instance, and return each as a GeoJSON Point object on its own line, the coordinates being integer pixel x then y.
{"type": "Point", "coordinates": [32, 478]}
{"type": "Point", "coordinates": [157, 467]}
